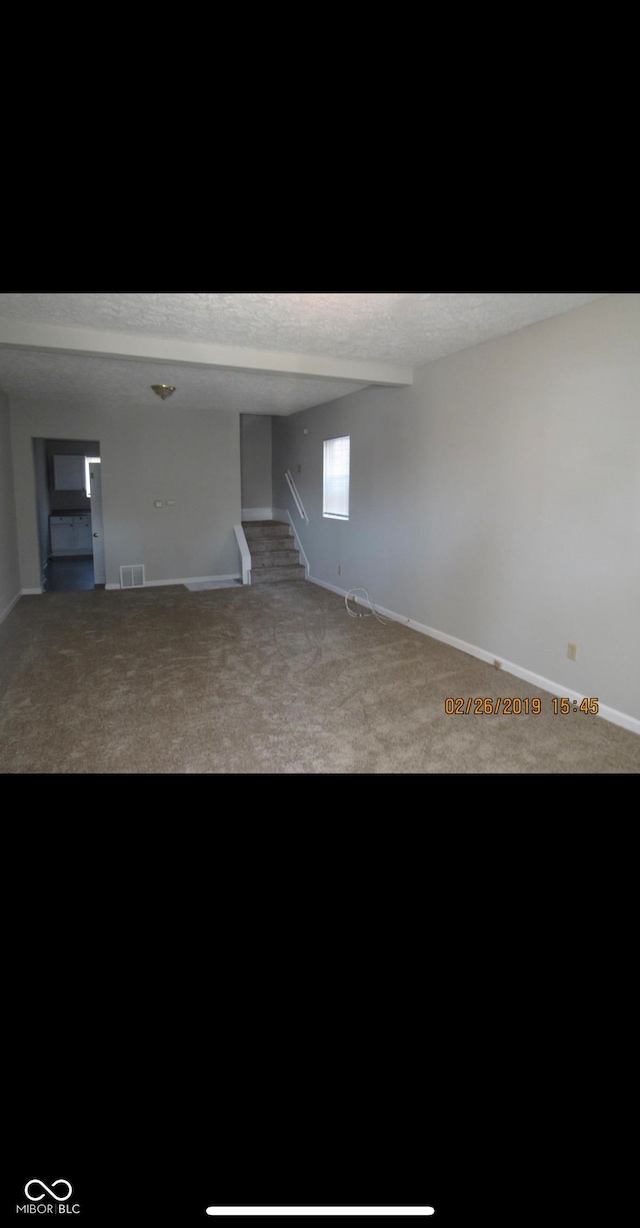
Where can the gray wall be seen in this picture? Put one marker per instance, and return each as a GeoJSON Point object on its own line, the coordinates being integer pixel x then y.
{"type": "Point", "coordinates": [192, 458]}
{"type": "Point", "coordinates": [498, 500]}
{"type": "Point", "coordinates": [9, 567]}
{"type": "Point", "coordinates": [255, 448]}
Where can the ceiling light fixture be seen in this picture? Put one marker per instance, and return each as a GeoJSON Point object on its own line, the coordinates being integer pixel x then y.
{"type": "Point", "coordinates": [163, 390]}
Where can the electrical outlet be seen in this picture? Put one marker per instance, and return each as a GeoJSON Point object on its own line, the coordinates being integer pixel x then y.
{"type": "Point", "coordinates": [572, 652]}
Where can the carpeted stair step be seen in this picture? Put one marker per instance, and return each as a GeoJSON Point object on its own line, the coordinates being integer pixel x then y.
{"type": "Point", "coordinates": [266, 545]}
{"type": "Point", "coordinates": [267, 575]}
{"type": "Point", "coordinates": [256, 529]}
{"type": "Point", "coordinates": [274, 556]}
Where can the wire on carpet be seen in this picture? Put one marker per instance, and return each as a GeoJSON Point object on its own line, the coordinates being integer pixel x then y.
{"type": "Point", "coordinates": [361, 613]}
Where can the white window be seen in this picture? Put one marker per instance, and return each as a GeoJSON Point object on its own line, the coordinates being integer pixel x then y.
{"type": "Point", "coordinates": [336, 478]}
{"type": "Point", "coordinates": [89, 460]}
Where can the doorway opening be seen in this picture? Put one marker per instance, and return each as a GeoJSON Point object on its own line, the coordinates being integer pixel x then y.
{"type": "Point", "coordinates": [69, 513]}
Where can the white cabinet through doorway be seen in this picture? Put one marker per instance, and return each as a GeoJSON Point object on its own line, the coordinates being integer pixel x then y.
{"type": "Point", "coordinates": [71, 534]}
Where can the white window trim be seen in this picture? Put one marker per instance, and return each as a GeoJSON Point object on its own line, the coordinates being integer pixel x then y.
{"type": "Point", "coordinates": [341, 474]}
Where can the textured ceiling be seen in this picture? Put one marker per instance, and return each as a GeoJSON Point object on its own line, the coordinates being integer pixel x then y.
{"type": "Point", "coordinates": [104, 382]}
{"type": "Point", "coordinates": [252, 353]}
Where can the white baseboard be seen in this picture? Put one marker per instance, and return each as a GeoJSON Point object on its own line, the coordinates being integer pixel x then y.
{"type": "Point", "coordinates": [257, 513]}
{"type": "Point", "coordinates": [10, 606]}
{"type": "Point", "coordinates": [342, 592]}
{"type": "Point", "coordinates": [193, 580]}
{"type": "Point", "coordinates": [189, 580]}
{"type": "Point", "coordinates": [611, 714]}
{"type": "Point", "coordinates": [31, 592]}
{"type": "Point", "coordinates": [509, 667]}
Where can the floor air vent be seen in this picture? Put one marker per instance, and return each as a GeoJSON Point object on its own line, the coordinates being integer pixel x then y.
{"type": "Point", "coordinates": [132, 576]}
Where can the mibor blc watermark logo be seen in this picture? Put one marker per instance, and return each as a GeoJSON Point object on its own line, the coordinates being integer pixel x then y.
{"type": "Point", "coordinates": [41, 1203]}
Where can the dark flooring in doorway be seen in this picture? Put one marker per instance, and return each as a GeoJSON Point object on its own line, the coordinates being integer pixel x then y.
{"type": "Point", "coordinates": [65, 575]}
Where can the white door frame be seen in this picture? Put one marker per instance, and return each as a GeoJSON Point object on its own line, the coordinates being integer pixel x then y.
{"type": "Point", "coordinates": [99, 569]}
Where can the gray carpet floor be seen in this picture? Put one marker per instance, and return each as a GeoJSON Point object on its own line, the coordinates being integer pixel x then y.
{"type": "Point", "coordinates": [269, 679]}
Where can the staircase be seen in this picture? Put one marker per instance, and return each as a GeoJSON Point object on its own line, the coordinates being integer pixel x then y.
{"type": "Point", "coordinates": [273, 552]}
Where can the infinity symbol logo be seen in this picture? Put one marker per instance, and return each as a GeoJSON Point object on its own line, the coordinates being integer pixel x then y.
{"type": "Point", "coordinates": [37, 1197]}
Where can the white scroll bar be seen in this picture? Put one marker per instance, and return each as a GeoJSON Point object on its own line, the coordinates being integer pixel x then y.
{"type": "Point", "coordinates": [320, 1210]}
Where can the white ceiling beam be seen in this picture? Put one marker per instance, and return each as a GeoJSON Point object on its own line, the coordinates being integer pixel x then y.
{"type": "Point", "coordinates": [101, 343]}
